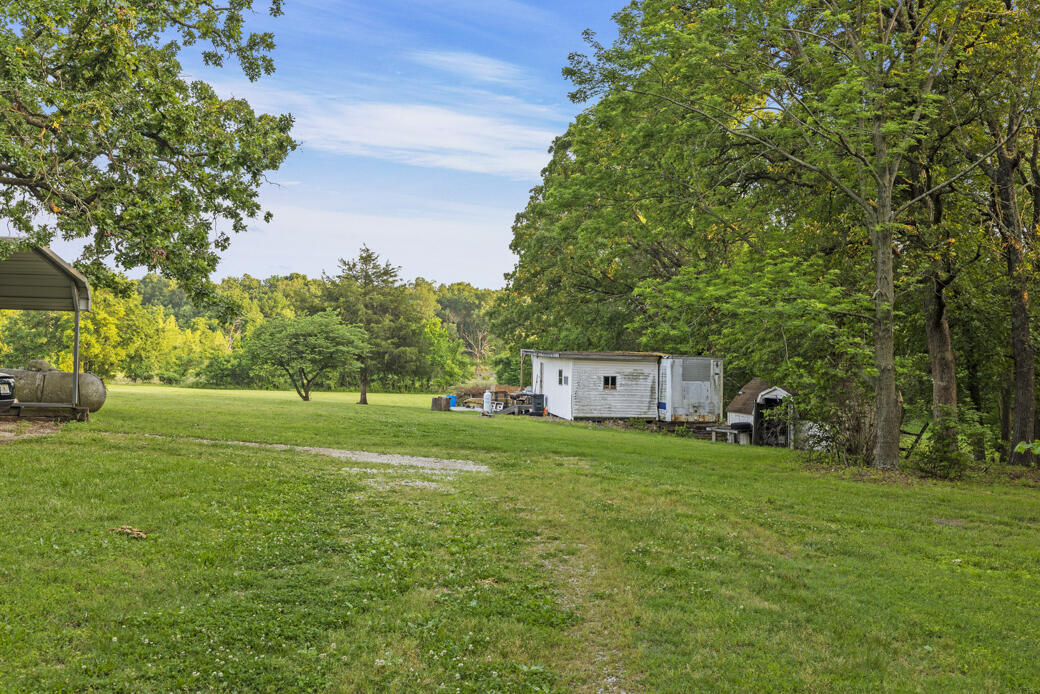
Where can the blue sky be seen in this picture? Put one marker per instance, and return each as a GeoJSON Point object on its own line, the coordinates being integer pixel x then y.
{"type": "Point", "coordinates": [423, 125]}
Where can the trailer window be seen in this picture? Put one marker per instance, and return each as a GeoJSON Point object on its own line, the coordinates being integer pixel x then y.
{"type": "Point", "coordinates": [559, 377]}
{"type": "Point", "coordinates": [610, 383]}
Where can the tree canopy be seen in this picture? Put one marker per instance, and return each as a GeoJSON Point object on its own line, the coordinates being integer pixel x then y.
{"type": "Point", "coordinates": [741, 167]}
{"type": "Point", "coordinates": [103, 139]}
{"type": "Point", "coordinates": [306, 348]}
{"type": "Point", "coordinates": [370, 293]}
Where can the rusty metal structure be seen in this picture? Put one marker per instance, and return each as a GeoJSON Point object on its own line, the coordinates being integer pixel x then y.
{"type": "Point", "coordinates": [34, 278]}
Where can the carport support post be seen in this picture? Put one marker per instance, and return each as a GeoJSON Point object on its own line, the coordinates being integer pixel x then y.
{"type": "Point", "coordinates": [75, 353]}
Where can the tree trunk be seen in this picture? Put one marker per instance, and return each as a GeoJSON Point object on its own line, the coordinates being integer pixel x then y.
{"type": "Point", "coordinates": [363, 378]}
{"type": "Point", "coordinates": [971, 368]}
{"type": "Point", "coordinates": [292, 379]}
{"type": "Point", "coordinates": [1022, 354]}
{"type": "Point", "coordinates": [1004, 412]}
{"type": "Point", "coordinates": [943, 366]}
{"type": "Point", "coordinates": [974, 385]}
{"type": "Point", "coordinates": [886, 450]}
{"type": "Point", "coordinates": [1013, 233]}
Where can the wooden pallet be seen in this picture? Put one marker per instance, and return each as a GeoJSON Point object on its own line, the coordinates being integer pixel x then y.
{"type": "Point", "coordinates": [45, 411]}
{"type": "Point", "coordinates": [693, 430]}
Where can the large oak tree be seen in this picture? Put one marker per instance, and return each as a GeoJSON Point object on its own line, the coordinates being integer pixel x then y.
{"type": "Point", "coordinates": [103, 138]}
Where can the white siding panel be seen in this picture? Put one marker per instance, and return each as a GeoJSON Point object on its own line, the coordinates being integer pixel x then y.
{"type": "Point", "coordinates": [636, 394]}
{"type": "Point", "coordinates": [557, 397]}
{"type": "Point", "coordinates": [737, 417]}
{"type": "Point", "coordinates": [664, 394]}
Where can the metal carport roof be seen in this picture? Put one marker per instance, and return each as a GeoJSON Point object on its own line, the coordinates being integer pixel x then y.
{"type": "Point", "coordinates": [36, 279]}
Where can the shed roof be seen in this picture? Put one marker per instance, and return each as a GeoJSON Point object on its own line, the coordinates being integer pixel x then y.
{"type": "Point", "coordinates": [744, 403]}
{"type": "Point", "coordinates": [36, 279]}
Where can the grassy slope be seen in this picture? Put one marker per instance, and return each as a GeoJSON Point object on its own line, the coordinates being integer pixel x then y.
{"type": "Point", "coordinates": [587, 559]}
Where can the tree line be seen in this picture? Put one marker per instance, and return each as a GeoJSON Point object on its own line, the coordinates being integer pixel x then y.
{"type": "Point", "coordinates": [839, 197]}
{"type": "Point", "coordinates": [362, 327]}
{"type": "Point", "coordinates": [842, 198]}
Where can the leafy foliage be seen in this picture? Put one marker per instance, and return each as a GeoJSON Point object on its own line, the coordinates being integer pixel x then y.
{"type": "Point", "coordinates": [466, 307]}
{"type": "Point", "coordinates": [103, 139]}
{"type": "Point", "coordinates": [370, 293]}
{"type": "Point", "coordinates": [783, 319]}
{"type": "Point", "coordinates": [862, 145]}
{"type": "Point", "coordinates": [153, 330]}
{"type": "Point", "coordinates": [306, 349]}
{"type": "Point", "coordinates": [1029, 447]}
{"type": "Point", "coordinates": [118, 336]}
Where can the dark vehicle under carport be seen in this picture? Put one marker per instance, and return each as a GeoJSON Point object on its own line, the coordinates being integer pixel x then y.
{"type": "Point", "coordinates": [6, 392]}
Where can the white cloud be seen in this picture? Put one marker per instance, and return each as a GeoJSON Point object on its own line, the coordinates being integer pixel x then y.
{"type": "Point", "coordinates": [472, 66]}
{"type": "Point", "coordinates": [384, 17]}
{"type": "Point", "coordinates": [477, 137]}
{"type": "Point", "coordinates": [431, 136]}
{"type": "Point", "coordinates": [443, 242]}
{"type": "Point", "coordinates": [487, 10]}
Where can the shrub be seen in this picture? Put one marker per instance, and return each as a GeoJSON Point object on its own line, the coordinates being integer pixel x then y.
{"type": "Point", "coordinates": [947, 449]}
{"type": "Point", "coordinates": [227, 369]}
{"type": "Point", "coordinates": [170, 378]}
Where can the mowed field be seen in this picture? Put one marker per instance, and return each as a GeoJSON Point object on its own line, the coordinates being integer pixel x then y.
{"type": "Point", "coordinates": [582, 559]}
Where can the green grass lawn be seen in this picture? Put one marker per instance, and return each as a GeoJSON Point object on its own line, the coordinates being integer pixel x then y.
{"type": "Point", "coordinates": [586, 559]}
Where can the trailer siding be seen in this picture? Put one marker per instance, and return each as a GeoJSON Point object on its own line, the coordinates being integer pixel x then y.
{"type": "Point", "coordinates": [649, 385]}
{"type": "Point", "coordinates": [693, 389]}
{"type": "Point", "coordinates": [664, 394]}
{"type": "Point", "coordinates": [636, 394]}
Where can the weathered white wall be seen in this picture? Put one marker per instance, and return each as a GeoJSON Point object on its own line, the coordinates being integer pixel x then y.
{"type": "Point", "coordinates": [693, 389]}
{"type": "Point", "coordinates": [734, 417]}
{"type": "Point", "coordinates": [664, 391]}
{"type": "Point", "coordinates": [636, 394]}
{"type": "Point", "coordinates": [557, 397]}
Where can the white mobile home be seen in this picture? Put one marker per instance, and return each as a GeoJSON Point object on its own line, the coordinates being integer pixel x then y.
{"type": "Point", "coordinates": [628, 385]}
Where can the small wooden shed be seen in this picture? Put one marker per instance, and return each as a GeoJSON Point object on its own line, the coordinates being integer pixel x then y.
{"type": "Point", "coordinates": [36, 279]}
{"type": "Point", "coordinates": [749, 408]}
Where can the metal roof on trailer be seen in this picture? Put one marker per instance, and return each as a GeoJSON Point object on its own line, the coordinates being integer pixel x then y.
{"type": "Point", "coordinates": [594, 355]}
{"type": "Point", "coordinates": [36, 279]}
{"type": "Point", "coordinates": [610, 355]}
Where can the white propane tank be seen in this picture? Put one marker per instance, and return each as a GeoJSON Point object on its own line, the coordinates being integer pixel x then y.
{"type": "Point", "coordinates": [487, 403]}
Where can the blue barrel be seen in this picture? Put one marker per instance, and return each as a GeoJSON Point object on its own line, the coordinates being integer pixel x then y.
{"type": "Point", "coordinates": [453, 400]}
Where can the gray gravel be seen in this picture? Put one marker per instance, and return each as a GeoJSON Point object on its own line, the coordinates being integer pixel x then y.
{"type": "Point", "coordinates": [366, 457]}
{"type": "Point", "coordinates": [411, 461]}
